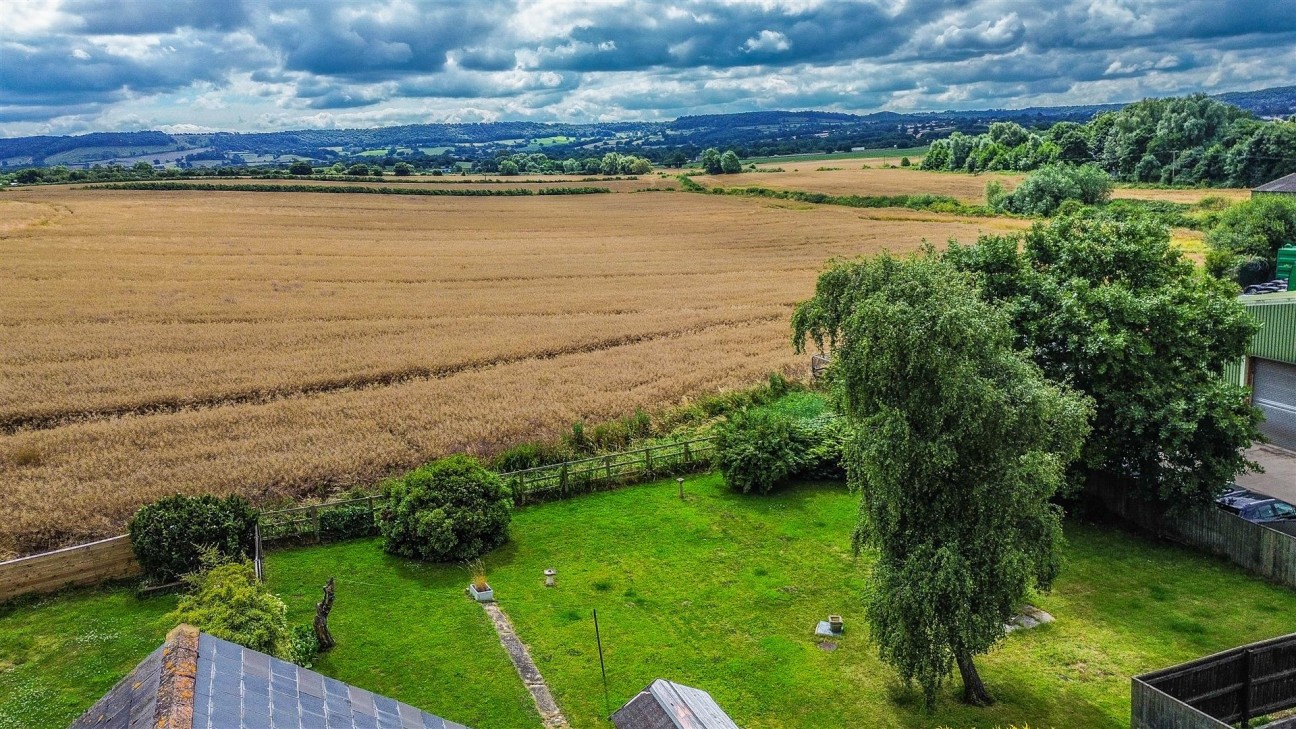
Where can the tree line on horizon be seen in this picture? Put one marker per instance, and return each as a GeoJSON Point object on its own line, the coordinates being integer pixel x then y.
{"type": "Point", "coordinates": [1189, 140]}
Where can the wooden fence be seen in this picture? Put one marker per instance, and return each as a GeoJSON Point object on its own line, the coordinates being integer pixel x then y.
{"type": "Point", "coordinates": [587, 475]}
{"type": "Point", "coordinates": [315, 522]}
{"type": "Point", "coordinates": [1216, 691]}
{"type": "Point", "coordinates": [88, 564]}
{"type": "Point", "coordinates": [84, 564]}
{"type": "Point", "coordinates": [1260, 549]}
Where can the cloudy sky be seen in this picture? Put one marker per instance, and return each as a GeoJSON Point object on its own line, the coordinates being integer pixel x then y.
{"type": "Point", "coordinates": [71, 66]}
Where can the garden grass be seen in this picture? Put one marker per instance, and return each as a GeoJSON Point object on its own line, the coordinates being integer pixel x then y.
{"type": "Point", "coordinates": [720, 591]}
{"type": "Point", "coordinates": [60, 653]}
{"type": "Point", "coordinates": [405, 630]}
{"type": "Point", "coordinates": [723, 591]}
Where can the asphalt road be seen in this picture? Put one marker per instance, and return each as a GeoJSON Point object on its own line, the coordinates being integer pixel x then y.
{"type": "Point", "coordinates": [1279, 477]}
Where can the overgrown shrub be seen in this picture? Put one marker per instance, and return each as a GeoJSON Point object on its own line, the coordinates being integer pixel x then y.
{"type": "Point", "coordinates": [530, 455]}
{"type": "Point", "coordinates": [757, 450]}
{"type": "Point", "coordinates": [226, 601]}
{"type": "Point", "coordinates": [1046, 188]}
{"type": "Point", "coordinates": [170, 535]}
{"type": "Point", "coordinates": [447, 511]}
{"type": "Point", "coordinates": [303, 646]}
{"type": "Point", "coordinates": [1256, 228]}
{"type": "Point", "coordinates": [825, 444]}
{"type": "Point", "coordinates": [344, 522]}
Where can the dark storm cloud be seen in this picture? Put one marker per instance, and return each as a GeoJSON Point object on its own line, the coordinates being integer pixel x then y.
{"type": "Point", "coordinates": [107, 59]}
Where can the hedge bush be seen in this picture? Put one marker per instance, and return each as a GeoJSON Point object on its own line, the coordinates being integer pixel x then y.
{"type": "Point", "coordinates": [226, 601]}
{"type": "Point", "coordinates": [344, 522]}
{"type": "Point", "coordinates": [450, 510]}
{"type": "Point", "coordinates": [758, 450]}
{"type": "Point", "coordinates": [170, 535]}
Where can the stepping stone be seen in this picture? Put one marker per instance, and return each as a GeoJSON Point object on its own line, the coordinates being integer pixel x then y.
{"type": "Point", "coordinates": [1030, 617]}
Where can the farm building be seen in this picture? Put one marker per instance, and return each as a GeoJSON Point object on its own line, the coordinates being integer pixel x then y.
{"type": "Point", "coordinates": [1269, 366]}
{"type": "Point", "coordinates": [195, 680]}
{"type": "Point", "coordinates": [1281, 186]}
{"type": "Point", "coordinates": [668, 705]}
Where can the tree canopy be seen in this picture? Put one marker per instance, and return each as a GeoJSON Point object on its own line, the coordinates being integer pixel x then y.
{"type": "Point", "coordinates": [957, 443]}
{"type": "Point", "coordinates": [1184, 140]}
{"type": "Point", "coordinates": [1112, 308]}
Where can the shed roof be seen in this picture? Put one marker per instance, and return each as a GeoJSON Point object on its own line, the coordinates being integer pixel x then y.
{"type": "Point", "coordinates": [668, 705]}
{"type": "Point", "coordinates": [196, 680]}
{"type": "Point", "coordinates": [1282, 184]}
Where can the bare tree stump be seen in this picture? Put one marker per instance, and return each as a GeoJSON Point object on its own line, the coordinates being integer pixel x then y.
{"type": "Point", "coordinates": [322, 609]}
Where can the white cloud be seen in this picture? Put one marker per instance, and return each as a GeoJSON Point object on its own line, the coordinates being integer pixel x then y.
{"type": "Point", "coordinates": [767, 41]}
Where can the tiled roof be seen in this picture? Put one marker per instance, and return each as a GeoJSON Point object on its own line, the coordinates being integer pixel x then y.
{"type": "Point", "coordinates": [131, 702]}
{"type": "Point", "coordinates": [237, 688]}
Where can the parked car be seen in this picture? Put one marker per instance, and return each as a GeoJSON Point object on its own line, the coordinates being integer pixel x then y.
{"type": "Point", "coordinates": [1255, 507]}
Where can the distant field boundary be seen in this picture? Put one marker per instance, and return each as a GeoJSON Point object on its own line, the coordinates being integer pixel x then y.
{"type": "Point", "coordinates": [880, 153]}
{"type": "Point", "coordinates": [921, 201]}
{"type": "Point", "coordinates": [346, 189]}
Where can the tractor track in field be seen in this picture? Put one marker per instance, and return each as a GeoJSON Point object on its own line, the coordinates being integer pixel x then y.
{"type": "Point", "coordinates": [16, 424]}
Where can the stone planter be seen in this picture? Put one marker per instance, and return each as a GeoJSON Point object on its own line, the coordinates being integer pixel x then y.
{"type": "Point", "coordinates": [487, 595]}
{"type": "Point", "coordinates": [835, 623]}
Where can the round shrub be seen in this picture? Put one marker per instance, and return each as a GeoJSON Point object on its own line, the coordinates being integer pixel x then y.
{"type": "Point", "coordinates": [171, 535]}
{"type": "Point", "coordinates": [758, 450]}
{"type": "Point", "coordinates": [450, 510]}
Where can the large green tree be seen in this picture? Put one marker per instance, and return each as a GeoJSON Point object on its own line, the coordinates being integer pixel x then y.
{"type": "Point", "coordinates": [1113, 309]}
{"type": "Point", "coordinates": [958, 443]}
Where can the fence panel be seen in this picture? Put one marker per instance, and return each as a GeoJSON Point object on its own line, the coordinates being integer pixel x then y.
{"type": "Point", "coordinates": [84, 564]}
{"type": "Point", "coordinates": [1235, 685]}
{"type": "Point", "coordinates": [317, 522]}
{"type": "Point", "coordinates": [1260, 549]}
{"type": "Point", "coordinates": [597, 473]}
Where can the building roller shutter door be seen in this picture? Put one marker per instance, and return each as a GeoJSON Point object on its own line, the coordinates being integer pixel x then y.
{"type": "Point", "coordinates": [1274, 391]}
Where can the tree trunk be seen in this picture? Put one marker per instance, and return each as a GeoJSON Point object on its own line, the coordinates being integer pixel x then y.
{"type": "Point", "coordinates": [974, 692]}
{"type": "Point", "coordinates": [322, 610]}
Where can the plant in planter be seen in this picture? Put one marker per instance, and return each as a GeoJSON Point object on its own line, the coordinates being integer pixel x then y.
{"type": "Point", "coordinates": [478, 587]}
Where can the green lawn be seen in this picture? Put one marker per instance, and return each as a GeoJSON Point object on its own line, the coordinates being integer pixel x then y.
{"type": "Point", "coordinates": [720, 591]}
{"type": "Point", "coordinates": [405, 630]}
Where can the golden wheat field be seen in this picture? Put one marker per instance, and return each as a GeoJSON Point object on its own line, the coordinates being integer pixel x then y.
{"type": "Point", "coordinates": [848, 177]}
{"type": "Point", "coordinates": [281, 344]}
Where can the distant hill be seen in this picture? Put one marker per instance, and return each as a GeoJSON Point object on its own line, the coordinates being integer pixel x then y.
{"type": "Point", "coordinates": [757, 133]}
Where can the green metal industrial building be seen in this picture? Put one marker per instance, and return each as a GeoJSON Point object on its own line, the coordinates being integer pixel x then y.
{"type": "Point", "coordinates": [1269, 367]}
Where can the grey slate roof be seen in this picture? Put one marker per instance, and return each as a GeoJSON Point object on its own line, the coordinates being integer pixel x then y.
{"type": "Point", "coordinates": [668, 705]}
{"type": "Point", "coordinates": [238, 688]}
{"type": "Point", "coordinates": [1282, 184]}
{"type": "Point", "coordinates": [131, 702]}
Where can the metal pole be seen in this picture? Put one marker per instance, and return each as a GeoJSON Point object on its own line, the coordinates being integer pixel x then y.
{"type": "Point", "coordinates": [607, 707]}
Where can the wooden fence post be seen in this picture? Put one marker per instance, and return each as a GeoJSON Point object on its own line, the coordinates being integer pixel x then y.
{"type": "Point", "coordinates": [315, 521]}
{"type": "Point", "coordinates": [688, 456]}
{"type": "Point", "coordinates": [1245, 698]}
{"type": "Point", "coordinates": [607, 463]}
{"type": "Point", "coordinates": [520, 495]}
{"type": "Point", "coordinates": [562, 480]}
{"type": "Point", "coordinates": [648, 467]}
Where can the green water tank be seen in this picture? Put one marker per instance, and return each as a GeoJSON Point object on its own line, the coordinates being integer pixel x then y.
{"type": "Point", "coordinates": [1287, 265]}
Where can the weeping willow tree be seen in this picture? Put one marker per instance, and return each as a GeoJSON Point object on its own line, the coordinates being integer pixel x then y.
{"type": "Point", "coordinates": [958, 442]}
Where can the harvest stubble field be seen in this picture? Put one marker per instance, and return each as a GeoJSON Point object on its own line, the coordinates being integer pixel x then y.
{"type": "Point", "coordinates": [279, 344]}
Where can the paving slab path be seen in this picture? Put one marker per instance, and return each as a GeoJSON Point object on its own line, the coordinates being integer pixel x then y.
{"type": "Point", "coordinates": [517, 651]}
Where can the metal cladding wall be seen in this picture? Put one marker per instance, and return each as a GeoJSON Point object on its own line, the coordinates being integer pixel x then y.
{"type": "Point", "coordinates": [1276, 339]}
